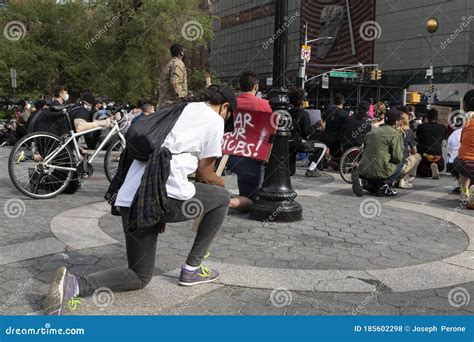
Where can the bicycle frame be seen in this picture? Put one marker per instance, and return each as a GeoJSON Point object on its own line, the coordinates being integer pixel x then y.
{"type": "Point", "coordinates": [73, 138]}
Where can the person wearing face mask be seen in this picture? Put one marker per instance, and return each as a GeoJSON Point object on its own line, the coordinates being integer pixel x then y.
{"type": "Point", "coordinates": [80, 115]}
{"type": "Point", "coordinates": [173, 83]}
{"type": "Point", "coordinates": [61, 96]}
{"type": "Point", "coordinates": [190, 145]}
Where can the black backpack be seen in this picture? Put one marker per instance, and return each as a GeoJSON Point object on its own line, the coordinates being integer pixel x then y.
{"type": "Point", "coordinates": [148, 133]}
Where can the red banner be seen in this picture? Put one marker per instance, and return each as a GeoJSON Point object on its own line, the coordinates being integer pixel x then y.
{"type": "Point", "coordinates": [251, 136]}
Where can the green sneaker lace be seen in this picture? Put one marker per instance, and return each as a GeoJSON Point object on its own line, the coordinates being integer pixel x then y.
{"type": "Point", "coordinates": [73, 303]}
{"type": "Point", "coordinates": [204, 271]}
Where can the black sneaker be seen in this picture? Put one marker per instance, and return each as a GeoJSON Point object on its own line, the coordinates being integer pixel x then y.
{"type": "Point", "coordinates": [386, 191]}
{"type": "Point", "coordinates": [313, 173]}
{"type": "Point", "coordinates": [357, 184]}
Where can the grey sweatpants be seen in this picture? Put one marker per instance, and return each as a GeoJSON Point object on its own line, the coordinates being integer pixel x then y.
{"type": "Point", "coordinates": [210, 200]}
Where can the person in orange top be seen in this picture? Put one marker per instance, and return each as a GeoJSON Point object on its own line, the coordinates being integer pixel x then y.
{"type": "Point", "coordinates": [464, 162]}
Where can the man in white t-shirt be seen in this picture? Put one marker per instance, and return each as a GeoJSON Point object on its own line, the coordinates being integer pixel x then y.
{"type": "Point", "coordinates": [195, 143]}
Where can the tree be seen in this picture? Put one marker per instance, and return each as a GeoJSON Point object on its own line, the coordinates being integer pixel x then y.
{"type": "Point", "coordinates": [115, 49]}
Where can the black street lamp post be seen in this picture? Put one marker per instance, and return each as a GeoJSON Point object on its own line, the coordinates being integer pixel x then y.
{"type": "Point", "coordinates": [277, 198]}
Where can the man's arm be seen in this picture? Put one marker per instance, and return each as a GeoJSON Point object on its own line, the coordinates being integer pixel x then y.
{"type": "Point", "coordinates": [82, 125]}
{"type": "Point", "coordinates": [205, 172]}
{"type": "Point", "coordinates": [397, 149]}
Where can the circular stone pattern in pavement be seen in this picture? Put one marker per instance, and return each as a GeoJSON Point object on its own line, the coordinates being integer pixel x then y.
{"type": "Point", "coordinates": [333, 235]}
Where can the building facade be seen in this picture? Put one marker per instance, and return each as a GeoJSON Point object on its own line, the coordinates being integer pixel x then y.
{"type": "Point", "coordinates": [363, 31]}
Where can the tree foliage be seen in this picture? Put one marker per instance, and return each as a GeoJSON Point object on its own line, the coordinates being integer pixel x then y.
{"type": "Point", "coordinates": [114, 48]}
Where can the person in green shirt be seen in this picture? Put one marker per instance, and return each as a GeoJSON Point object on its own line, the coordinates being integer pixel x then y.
{"type": "Point", "coordinates": [382, 160]}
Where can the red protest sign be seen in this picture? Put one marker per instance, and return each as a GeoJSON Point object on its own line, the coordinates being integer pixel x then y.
{"type": "Point", "coordinates": [251, 136]}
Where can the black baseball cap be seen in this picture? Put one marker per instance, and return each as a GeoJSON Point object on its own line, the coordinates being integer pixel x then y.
{"type": "Point", "coordinates": [227, 94]}
{"type": "Point", "coordinates": [89, 98]}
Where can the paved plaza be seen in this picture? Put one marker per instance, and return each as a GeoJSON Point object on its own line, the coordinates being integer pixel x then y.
{"type": "Point", "coordinates": [408, 255]}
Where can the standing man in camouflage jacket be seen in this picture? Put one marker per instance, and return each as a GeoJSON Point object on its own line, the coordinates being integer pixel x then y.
{"type": "Point", "coordinates": [173, 83]}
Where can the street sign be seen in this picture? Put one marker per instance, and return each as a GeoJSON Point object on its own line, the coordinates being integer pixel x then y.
{"type": "Point", "coordinates": [269, 81]}
{"type": "Point", "coordinates": [13, 77]}
{"type": "Point", "coordinates": [325, 82]}
{"type": "Point", "coordinates": [343, 74]}
{"type": "Point", "coordinates": [306, 53]}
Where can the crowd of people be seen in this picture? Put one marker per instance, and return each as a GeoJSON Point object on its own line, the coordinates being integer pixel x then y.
{"type": "Point", "coordinates": [183, 137]}
{"type": "Point", "coordinates": [398, 145]}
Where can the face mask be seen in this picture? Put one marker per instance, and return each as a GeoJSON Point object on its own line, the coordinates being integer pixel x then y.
{"type": "Point", "coordinates": [66, 97]}
{"type": "Point", "coordinates": [87, 106]}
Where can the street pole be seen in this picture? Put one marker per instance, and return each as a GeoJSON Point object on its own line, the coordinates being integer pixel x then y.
{"type": "Point", "coordinates": [304, 60]}
{"type": "Point", "coordinates": [303, 65]}
{"type": "Point", "coordinates": [277, 198]}
{"type": "Point", "coordinates": [431, 26]}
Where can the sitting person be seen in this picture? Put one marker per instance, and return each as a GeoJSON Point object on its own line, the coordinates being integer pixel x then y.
{"type": "Point", "coordinates": [300, 128]}
{"type": "Point", "coordinates": [410, 156]}
{"type": "Point", "coordinates": [315, 158]}
{"type": "Point", "coordinates": [453, 145]}
{"type": "Point", "coordinates": [334, 118]}
{"type": "Point", "coordinates": [356, 127]}
{"type": "Point", "coordinates": [380, 110]}
{"type": "Point", "coordinates": [382, 161]}
{"type": "Point", "coordinates": [47, 121]}
{"type": "Point", "coordinates": [464, 162]}
{"type": "Point", "coordinates": [146, 109]}
{"type": "Point", "coordinates": [430, 136]}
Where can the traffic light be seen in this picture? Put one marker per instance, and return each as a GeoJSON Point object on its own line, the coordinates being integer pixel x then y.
{"type": "Point", "coordinates": [376, 75]}
{"type": "Point", "coordinates": [373, 75]}
{"type": "Point", "coordinates": [379, 74]}
{"type": "Point", "coordinates": [431, 88]}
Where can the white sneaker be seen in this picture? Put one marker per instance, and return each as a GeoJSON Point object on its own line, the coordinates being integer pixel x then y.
{"type": "Point", "coordinates": [456, 186]}
{"type": "Point", "coordinates": [403, 184]}
{"type": "Point", "coordinates": [434, 171]}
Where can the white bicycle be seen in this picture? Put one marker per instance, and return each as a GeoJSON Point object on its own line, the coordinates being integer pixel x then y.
{"type": "Point", "coordinates": [41, 165]}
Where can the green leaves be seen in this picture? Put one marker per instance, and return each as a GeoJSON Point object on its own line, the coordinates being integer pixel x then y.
{"type": "Point", "coordinates": [115, 48]}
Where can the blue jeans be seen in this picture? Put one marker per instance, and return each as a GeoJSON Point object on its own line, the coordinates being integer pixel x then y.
{"type": "Point", "coordinates": [249, 173]}
{"type": "Point", "coordinates": [393, 178]}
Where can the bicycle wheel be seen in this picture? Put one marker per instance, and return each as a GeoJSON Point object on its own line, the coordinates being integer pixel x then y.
{"type": "Point", "coordinates": [31, 175]}
{"type": "Point", "coordinates": [112, 158]}
{"type": "Point", "coordinates": [349, 161]}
